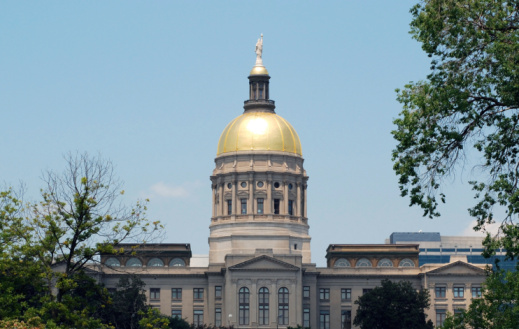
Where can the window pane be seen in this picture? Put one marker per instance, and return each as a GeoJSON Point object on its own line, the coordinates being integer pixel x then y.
{"type": "Point", "coordinates": [112, 261]}
{"type": "Point", "coordinates": [243, 297]}
{"type": "Point", "coordinates": [276, 206]}
{"type": "Point", "coordinates": [260, 206]}
{"type": "Point", "coordinates": [306, 318]}
{"type": "Point", "coordinates": [155, 262]}
{"type": "Point", "coordinates": [306, 292]}
{"type": "Point", "coordinates": [244, 206]}
{"type": "Point", "coordinates": [133, 262]}
{"type": "Point", "coordinates": [217, 317]}
{"type": "Point", "coordinates": [263, 306]}
{"type": "Point", "coordinates": [346, 294]}
{"type": "Point", "coordinates": [177, 262]}
{"type": "Point", "coordinates": [346, 319]}
{"type": "Point", "coordinates": [324, 320]}
{"type": "Point", "coordinates": [176, 293]}
{"type": "Point", "coordinates": [154, 293]}
{"type": "Point", "coordinates": [440, 292]}
{"type": "Point", "coordinates": [283, 306]}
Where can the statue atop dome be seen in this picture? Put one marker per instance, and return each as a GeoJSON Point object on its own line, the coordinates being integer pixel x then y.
{"type": "Point", "coordinates": [259, 51]}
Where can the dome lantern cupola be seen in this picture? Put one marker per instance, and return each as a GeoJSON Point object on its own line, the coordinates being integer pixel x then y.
{"type": "Point", "coordinates": [259, 84]}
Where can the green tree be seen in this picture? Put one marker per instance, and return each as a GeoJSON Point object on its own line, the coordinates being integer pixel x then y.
{"type": "Point", "coordinates": [129, 302]}
{"type": "Point", "coordinates": [20, 282]}
{"type": "Point", "coordinates": [46, 248]}
{"type": "Point", "coordinates": [393, 305]}
{"type": "Point", "coordinates": [466, 109]}
{"type": "Point", "coordinates": [178, 323]}
{"type": "Point", "coordinates": [497, 308]}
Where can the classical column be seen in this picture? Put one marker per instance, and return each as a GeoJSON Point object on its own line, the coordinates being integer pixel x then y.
{"type": "Point", "coordinates": [268, 203]}
{"type": "Point", "coordinates": [298, 204]}
{"type": "Point", "coordinates": [234, 201]}
{"type": "Point", "coordinates": [213, 212]}
{"type": "Point", "coordinates": [221, 207]}
{"type": "Point", "coordinates": [250, 206]}
{"type": "Point", "coordinates": [284, 211]}
{"type": "Point", "coordinates": [305, 214]}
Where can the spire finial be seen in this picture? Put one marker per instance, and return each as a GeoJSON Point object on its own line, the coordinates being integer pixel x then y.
{"type": "Point", "coordinates": [259, 51]}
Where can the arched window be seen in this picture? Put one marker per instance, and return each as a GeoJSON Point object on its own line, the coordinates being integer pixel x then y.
{"type": "Point", "coordinates": [342, 262]}
{"type": "Point", "coordinates": [406, 262]}
{"type": "Point", "coordinates": [283, 306]}
{"type": "Point", "coordinates": [385, 262]}
{"type": "Point", "coordinates": [133, 262]}
{"type": "Point", "coordinates": [243, 298]}
{"type": "Point", "coordinates": [363, 262]}
{"type": "Point", "coordinates": [112, 261]}
{"type": "Point", "coordinates": [155, 262]}
{"type": "Point", "coordinates": [177, 262]}
{"type": "Point", "coordinates": [263, 306]}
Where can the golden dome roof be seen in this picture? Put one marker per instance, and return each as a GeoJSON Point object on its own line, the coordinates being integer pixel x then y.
{"type": "Point", "coordinates": [259, 131]}
{"type": "Point", "coordinates": [259, 70]}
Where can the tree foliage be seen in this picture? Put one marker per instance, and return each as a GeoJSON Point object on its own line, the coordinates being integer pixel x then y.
{"type": "Point", "coordinates": [469, 101]}
{"type": "Point", "coordinates": [393, 305]}
{"type": "Point", "coordinates": [496, 309]}
{"type": "Point", "coordinates": [46, 248]}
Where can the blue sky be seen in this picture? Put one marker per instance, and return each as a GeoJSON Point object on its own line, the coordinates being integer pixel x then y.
{"type": "Point", "coordinates": [151, 85]}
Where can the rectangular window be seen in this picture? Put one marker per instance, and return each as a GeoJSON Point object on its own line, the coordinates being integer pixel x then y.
{"type": "Point", "coordinates": [459, 292]}
{"type": "Point", "coordinates": [306, 292]}
{"type": "Point", "coordinates": [276, 206]}
{"type": "Point", "coordinates": [154, 293]}
{"type": "Point", "coordinates": [290, 207]}
{"type": "Point", "coordinates": [176, 293]}
{"type": "Point", "coordinates": [440, 317]}
{"type": "Point", "coordinates": [243, 206]}
{"type": "Point", "coordinates": [324, 294]}
{"type": "Point", "coordinates": [198, 318]}
{"type": "Point", "coordinates": [217, 317]}
{"type": "Point", "coordinates": [324, 320]}
{"type": "Point", "coordinates": [218, 292]}
{"type": "Point", "coordinates": [306, 317]}
{"type": "Point", "coordinates": [366, 290]}
{"type": "Point", "coordinates": [476, 292]}
{"type": "Point", "coordinates": [346, 319]}
{"type": "Point", "coordinates": [229, 207]}
{"type": "Point", "coordinates": [260, 206]}
{"type": "Point", "coordinates": [198, 293]}
{"type": "Point", "coordinates": [440, 292]}
{"type": "Point", "coordinates": [346, 294]}
{"type": "Point", "coordinates": [176, 314]}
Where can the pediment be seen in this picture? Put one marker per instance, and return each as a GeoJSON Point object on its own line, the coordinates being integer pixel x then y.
{"type": "Point", "coordinates": [458, 268]}
{"type": "Point", "coordinates": [264, 263]}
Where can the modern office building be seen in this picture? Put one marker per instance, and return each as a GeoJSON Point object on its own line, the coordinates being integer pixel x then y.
{"type": "Point", "coordinates": [438, 249]}
{"type": "Point", "coordinates": [259, 272]}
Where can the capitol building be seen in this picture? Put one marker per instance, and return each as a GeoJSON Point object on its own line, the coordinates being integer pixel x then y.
{"type": "Point", "coordinates": [259, 271]}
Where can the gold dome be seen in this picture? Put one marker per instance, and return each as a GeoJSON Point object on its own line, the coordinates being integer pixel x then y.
{"type": "Point", "coordinates": [259, 70]}
{"type": "Point", "coordinates": [259, 131]}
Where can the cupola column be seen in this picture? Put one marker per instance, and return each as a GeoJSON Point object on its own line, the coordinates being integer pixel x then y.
{"type": "Point", "coordinates": [298, 206]}
{"type": "Point", "coordinates": [285, 198]}
{"type": "Point", "coordinates": [234, 201]}
{"type": "Point", "coordinates": [250, 206]}
{"type": "Point", "coordinates": [220, 208]}
{"type": "Point", "coordinates": [268, 202]}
